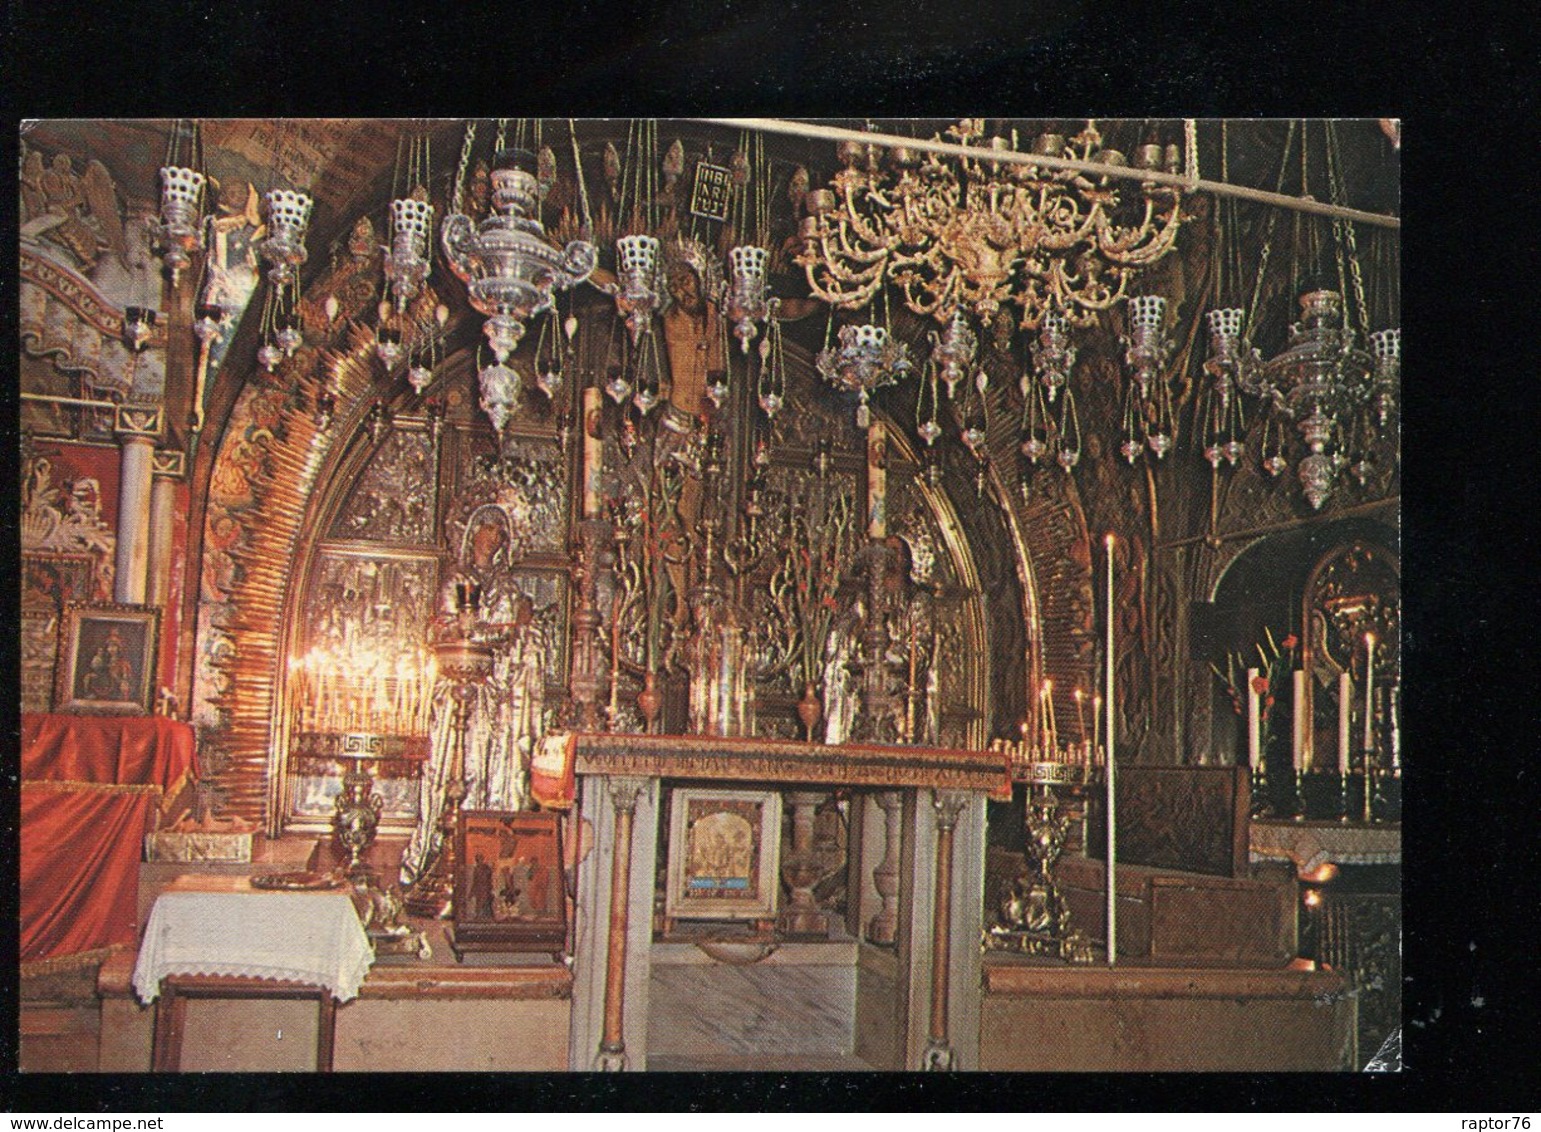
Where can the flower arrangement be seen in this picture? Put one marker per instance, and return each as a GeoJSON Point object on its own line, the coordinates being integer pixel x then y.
{"type": "Point", "coordinates": [1275, 661]}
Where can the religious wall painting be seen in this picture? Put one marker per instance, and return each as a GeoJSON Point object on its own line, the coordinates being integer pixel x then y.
{"type": "Point", "coordinates": [49, 583]}
{"type": "Point", "coordinates": [107, 659]}
{"type": "Point", "coordinates": [84, 257]}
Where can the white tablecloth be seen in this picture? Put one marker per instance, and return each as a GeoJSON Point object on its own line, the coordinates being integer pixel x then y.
{"type": "Point", "coordinates": [304, 937]}
{"type": "Point", "coordinates": [1309, 845]}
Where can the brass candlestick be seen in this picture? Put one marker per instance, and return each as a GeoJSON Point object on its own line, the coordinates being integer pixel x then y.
{"type": "Point", "coordinates": [466, 664]}
{"type": "Point", "coordinates": [1033, 917]}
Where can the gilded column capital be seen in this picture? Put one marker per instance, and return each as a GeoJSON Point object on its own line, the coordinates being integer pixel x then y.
{"type": "Point", "coordinates": [624, 792]}
{"type": "Point", "coordinates": [948, 805]}
{"type": "Point", "coordinates": [169, 463]}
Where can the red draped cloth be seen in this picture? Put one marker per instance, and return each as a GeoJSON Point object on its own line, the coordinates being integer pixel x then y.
{"type": "Point", "coordinates": [89, 789]}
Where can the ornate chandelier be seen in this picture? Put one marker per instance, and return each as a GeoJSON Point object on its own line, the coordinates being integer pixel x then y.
{"type": "Point", "coordinates": [509, 267]}
{"type": "Point", "coordinates": [867, 358]}
{"type": "Point", "coordinates": [1338, 385]}
{"type": "Point", "coordinates": [977, 235]}
{"type": "Point", "coordinates": [1319, 381]}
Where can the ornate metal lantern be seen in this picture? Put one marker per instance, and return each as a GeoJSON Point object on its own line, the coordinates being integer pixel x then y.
{"type": "Point", "coordinates": [509, 267]}
{"type": "Point", "coordinates": [867, 358]}
{"type": "Point", "coordinates": [746, 297]}
{"type": "Point", "coordinates": [180, 230]}
{"type": "Point", "coordinates": [638, 294]}
{"type": "Point", "coordinates": [406, 260]}
{"type": "Point", "coordinates": [288, 218]}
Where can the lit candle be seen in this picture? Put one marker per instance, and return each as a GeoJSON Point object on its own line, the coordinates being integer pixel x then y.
{"type": "Point", "coordinates": [1254, 722]}
{"type": "Point", "coordinates": [1297, 758]}
{"type": "Point", "coordinates": [1112, 878]}
{"type": "Point", "coordinates": [1369, 695]}
{"type": "Point", "coordinates": [877, 480]}
{"type": "Point", "coordinates": [1080, 713]}
{"type": "Point", "coordinates": [1048, 703]}
{"type": "Point", "coordinates": [593, 452]}
{"type": "Point", "coordinates": [1345, 709]}
{"type": "Point", "coordinates": [1096, 724]}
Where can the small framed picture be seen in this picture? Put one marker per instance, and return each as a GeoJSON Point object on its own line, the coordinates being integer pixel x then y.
{"type": "Point", "coordinates": [107, 659]}
{"type": "Point", "coordinates": [509, 889]}
{"type": "Point", "coordinates": [724, 854]}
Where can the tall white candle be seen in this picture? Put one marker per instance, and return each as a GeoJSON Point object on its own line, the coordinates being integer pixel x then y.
{"type": "Point", "coordinates": [1369, 694]}
{"type": "Point", "coordinates": [1112, 806]}
{"type": "Point", "coordinates": [1298, 755]}
{"type": "Point", "coordinates": [1345, 709]}
{"type": "Point", "coordinates": [593, 452]}
{"type": "Point", "coordinates": [1254, 722]}
{"type": "Point", "coordinates": [877, 480]}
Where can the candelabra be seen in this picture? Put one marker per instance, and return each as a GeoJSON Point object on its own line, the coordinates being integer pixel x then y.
{"type": "Point", "coordinates": [1033, 917]}
{"type": "Point", "coordinates": [978, 233]}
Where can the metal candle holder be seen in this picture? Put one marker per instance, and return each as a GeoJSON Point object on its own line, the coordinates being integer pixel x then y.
{"type": "Point", "coordinates": [466, 664]}
{"type": "Point", "coordinates": [1033, 916]}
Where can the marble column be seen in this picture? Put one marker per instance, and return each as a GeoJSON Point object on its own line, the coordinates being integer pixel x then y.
{"type": "Point", "coordinates": [801, 871]}
{"type": "Point", "coordinates": [611, 1057]}
{"type": "Point", "coordinates": [163, 501]}
{"type": "Point", "coordinates": [939, 1054]}
{"type": "Point", "coordinates": [928, 932]}
{"type": "Point", "coordinates": [134, 490]}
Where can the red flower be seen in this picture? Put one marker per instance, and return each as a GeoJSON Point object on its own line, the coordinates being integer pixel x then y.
{"type": "Point", "coordinates": [1268, 703]}
{"type": "Point", "coordinates": [1289, 642]}
{"type": "Point", "coordinates": [1260, 685]}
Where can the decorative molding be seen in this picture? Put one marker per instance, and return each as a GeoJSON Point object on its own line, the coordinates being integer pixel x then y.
{"type": "Point", "coordinates": [764, 760]}
{"type": "Point", "coordinates": [169, 463]}
{"type": "Point", "coordinates": [144, 422]}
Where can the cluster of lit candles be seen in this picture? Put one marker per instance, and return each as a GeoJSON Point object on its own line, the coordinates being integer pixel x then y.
{"type": "Point", "coordinates": [1300, 748]}
{"type": "Point", "coordinates": [1045, 746]}
{"type": "Point", "coordinates": [362, 692]}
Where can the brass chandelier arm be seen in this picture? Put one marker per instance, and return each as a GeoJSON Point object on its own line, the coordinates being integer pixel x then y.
{"type": "Point", "coordinates": [1216, 188]}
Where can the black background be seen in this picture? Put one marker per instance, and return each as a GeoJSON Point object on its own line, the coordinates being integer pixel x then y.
{"type": "Point", "coordinates": [1462, 79]}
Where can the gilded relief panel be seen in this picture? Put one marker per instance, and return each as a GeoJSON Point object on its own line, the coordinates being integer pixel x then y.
{"type": "Point", "coordinates": [396, 497]}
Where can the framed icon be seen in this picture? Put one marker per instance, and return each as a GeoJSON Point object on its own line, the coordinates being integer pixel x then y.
{"type": "Point", "coordinates": [509, 889]}
{"type": "Point", "coordinates": [724, 854]}
{"type": "Point", "coordinates": [107, 659]}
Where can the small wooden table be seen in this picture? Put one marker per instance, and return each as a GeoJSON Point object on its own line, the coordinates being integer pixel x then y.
{"type": "Point", "coordinates": [213, 937]}
{"type": "Point", "coordinates": [171, 1012]}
